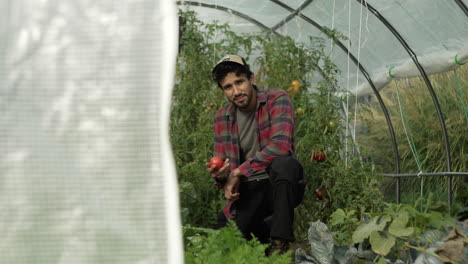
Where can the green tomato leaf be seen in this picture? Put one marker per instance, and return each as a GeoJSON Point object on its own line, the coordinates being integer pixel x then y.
{"type": "Point", "coordinates": [365, 229]}
{"type": "Point", "coordinates": [381, 245]}
{"type": "Point", "coordinates": [337, 217]}
{"type": "Point", "coordinates": [398, 226]}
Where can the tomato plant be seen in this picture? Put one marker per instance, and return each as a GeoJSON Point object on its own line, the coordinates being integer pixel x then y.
{"type": "Point", "coordinates": [281, 63]}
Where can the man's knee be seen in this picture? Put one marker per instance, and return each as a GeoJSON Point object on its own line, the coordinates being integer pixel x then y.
{"type": "Point", "coordinates": [285, 168]}
{"type": "Point", "coordinates": [288, 171]}
{"type": "Point", "coordinates": [284, 161]}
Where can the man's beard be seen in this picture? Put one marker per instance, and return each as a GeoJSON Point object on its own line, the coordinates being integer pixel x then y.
{"type": "Point", "coordinates": [243, 104]}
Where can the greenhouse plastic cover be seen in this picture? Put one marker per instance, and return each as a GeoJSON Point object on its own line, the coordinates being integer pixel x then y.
{"type": "Point", "coordinates": [86, 170]}
{"type": "Point", "coordinates": [433, 33]}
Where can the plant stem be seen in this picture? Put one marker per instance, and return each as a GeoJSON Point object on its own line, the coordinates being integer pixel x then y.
{"type": "Point", "coordinates": [427, 252]}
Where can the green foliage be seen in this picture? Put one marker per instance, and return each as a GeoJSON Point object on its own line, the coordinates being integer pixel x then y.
{"type": "Point", "coordinates": [227, 245]}
{"type": "Point", "coordinates": [343, 224]}
{"type": "Point", "coordinates": [400, 227]}
{"type": "Point", "coordinates": [193, 236]}
{"type": "Point", "coordinates": [282, 60]}
{"type": "Point", "coordinates": [425, 131]}
{"type": "Point", "coordinates": [377, 223]}
{"type": "Point", "coordinates": [394, 230]}
{"type": "Point", "coordinates": [350, 183]}
{"type": "Point", "coordinates": [351, 186]}
{"type": "Point", "coordinates": [195, 100]}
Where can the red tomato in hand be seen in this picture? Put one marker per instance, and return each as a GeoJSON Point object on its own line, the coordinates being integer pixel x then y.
{"type": "Point", "coordinates": [318, 156]}
{"type": "Point", "coordinates": [217, 161]}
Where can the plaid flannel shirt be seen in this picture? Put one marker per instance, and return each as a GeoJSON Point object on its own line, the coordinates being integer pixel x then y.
{"type": "Point", "coordinates": [275, 131]}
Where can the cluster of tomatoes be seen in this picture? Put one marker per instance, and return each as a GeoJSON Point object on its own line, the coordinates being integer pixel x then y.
{"type": "Point", "coordinates": [292, 91]}
{"type": "Point", "coordinates": [318, 155]}
{"type": "Point", "coordinates": [320, 193]}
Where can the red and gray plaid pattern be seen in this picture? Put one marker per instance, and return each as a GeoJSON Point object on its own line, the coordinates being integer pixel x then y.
{"type": "Point", "coordinates": [275, 131]}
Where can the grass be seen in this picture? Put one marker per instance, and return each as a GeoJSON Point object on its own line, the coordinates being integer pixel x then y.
{"type": "Point", "coordinates": [424, 129]}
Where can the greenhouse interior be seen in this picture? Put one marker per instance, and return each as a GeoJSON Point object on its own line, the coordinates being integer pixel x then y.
{"type": "Point", "coordinates": [112, 110]}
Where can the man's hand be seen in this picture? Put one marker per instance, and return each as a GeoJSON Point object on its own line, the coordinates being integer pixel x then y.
{"type": "Point", "coordinates": [221, 174]}
{"type": "Point", "coordinates": [231, 188]}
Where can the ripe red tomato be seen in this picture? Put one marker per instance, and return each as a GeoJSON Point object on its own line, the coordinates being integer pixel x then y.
{"type": "Point", "coordinates": [318, 156]}
{"type": "Point", "coordinates": [217, 161]}
{"type": "Point", "coordinates": [321, 193]}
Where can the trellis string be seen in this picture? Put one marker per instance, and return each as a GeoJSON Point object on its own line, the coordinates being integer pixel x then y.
{"type": "Point", "coordinates": [347, 84]}
{"type": "Point", "coordinates": [410, 139]}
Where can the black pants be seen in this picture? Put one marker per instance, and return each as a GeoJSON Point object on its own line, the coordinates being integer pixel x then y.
{"type": "Point", "coordinates": [265, 208]}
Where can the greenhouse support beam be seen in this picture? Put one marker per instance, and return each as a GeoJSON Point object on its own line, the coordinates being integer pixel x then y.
{"type": "Point", "coordinates": [403, 175]}
{"type": "Point", "coordinates": [231, 11]}
{"type": "Point", "coordinates": [293, 14]}
{"type": "Point", "coordinates": [462, 6]}
{"type": "Point", "coordinates": [413, 56]}
{"type": "Point", "coordinates": [436, 174]}
{"type": "Point", "coordinates": [364, 72]}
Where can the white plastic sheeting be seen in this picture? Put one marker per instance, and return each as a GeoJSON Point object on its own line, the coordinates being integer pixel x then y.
{"type": "Point", "coordinates": [86, 170]}
{"type": "Point", "coordinates": [432, 63]}
{"type": "Point", "coordinates": [436, 31]}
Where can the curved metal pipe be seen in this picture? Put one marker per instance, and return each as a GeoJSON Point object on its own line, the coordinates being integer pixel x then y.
{"type": "Point", "coordinates": [462, 6]}
{"type": "Point", "coordinates": [464, 174]}
{"type": "Point", "coordinates": [428, 84]}
{"type": "Point", "coordinates": [222, 8]}
{"type": "Point", "coordinates": [293, 14]}
{"type": "Point", "coordinates": [366, 75]}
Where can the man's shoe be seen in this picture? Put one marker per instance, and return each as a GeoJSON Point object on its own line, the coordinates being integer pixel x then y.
{"type": "Point", "coordinates": [279, 245]}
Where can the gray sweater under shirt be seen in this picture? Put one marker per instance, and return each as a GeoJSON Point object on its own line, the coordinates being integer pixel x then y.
{"type": "Point", "coordinates": [248, 140]}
